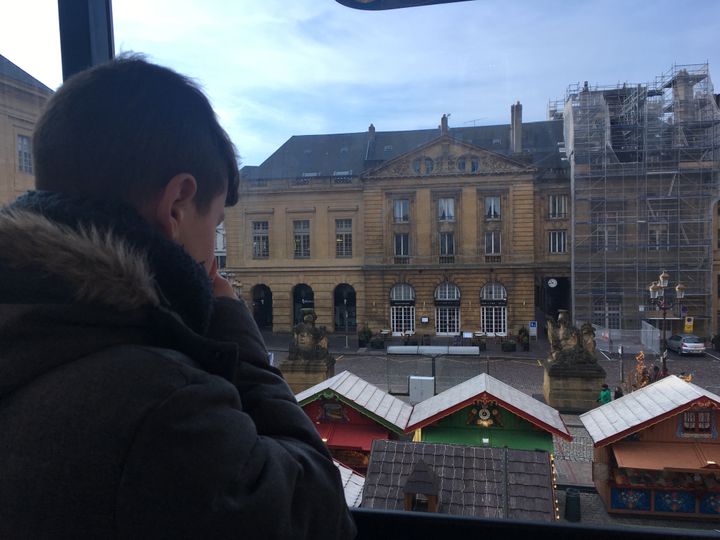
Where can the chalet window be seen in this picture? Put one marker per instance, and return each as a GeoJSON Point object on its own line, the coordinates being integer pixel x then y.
{"type": "Point", "coordinates": [697, 423]}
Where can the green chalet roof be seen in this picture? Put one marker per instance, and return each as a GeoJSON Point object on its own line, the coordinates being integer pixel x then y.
{"type": "Point", "coordinates": [460, 396]}
{"type": "Point", "coordinates": [362, 396]}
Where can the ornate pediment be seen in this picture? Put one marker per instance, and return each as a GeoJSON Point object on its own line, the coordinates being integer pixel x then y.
{"type": "Point", "coordinates": [447, 157]}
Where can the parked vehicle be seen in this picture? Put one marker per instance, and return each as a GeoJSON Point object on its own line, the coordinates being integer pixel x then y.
{"type": "Point", "coordinates": [686, 344]}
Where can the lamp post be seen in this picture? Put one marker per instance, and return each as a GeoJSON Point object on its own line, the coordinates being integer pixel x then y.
{"type": "Point", "coordinates": [346, 323]}
{"type": "Point", "coordinates": [663, 303]}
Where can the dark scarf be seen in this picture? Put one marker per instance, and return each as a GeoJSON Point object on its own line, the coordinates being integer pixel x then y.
{"type": "Point", "coordinates": [183, 283]}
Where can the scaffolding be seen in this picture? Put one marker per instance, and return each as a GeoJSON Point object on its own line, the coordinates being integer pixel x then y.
{"type": "Point", "coordinates": [645, 170]}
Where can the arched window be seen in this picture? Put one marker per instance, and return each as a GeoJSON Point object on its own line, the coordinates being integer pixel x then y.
{"type": "Point", "coordinates": [447, 291]}
{"type": "Point", "coordinates": [447, 309]}
{"type": "Point", "coordinates": [402, 292]}
{"type": "Point", "coordinates": [493, 291]}
{"type": "Point", "coordinates": [493, 309]}
{"type": "Point", "coordinates": [402, 309]}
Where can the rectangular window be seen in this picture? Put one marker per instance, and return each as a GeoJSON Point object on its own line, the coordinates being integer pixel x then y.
{"type": "Point", "coordinates": [24, 154]}
{"type": "Point", "coordinates": [402, 248]}
{"type": "Point", "coordinates": [492, 207]}
{"type": "Point", "coordinates": [402, 319]}
{"type": "Point", "coordinates": [447, 248]}
{"type": "Point", "coordinates": [220, 245]}
{"type": "Point", "coordinates": [446, 209]}
{"type": "Point", "coordinates": [697, 423]}
{"type": "Point", "coordinates": [557, 206]}
{"type": "Point", "coordinates": [260, 240]}
{"type": "Point", "coordinates": [606, 313]}
{"type": "Point", "coordinates": [301, 231]}
{"type": "Point", "coordinates": [605, 231]}
{"type": "Point", "coordinates": [492, 243]}
{"type": "Point", "coordinates": [401, 210]}
{"type": "Point", "coordinates": [557, 242]}
{"type": "Point", "coordinates": [343, 238]}
{"type": "Point", "coordinates": [447, 321]}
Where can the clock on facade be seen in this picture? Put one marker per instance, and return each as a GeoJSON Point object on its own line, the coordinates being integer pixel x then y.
{"type": "Point", "coordinates": [552, 282]}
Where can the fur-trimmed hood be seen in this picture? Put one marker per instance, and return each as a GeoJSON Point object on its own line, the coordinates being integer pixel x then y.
{"type": "Point", "coordinates": [79, 276]}
{"type": "Point", "coordinates": [61, 249]}
{"type": "Point", "coordinates": [98, 267]}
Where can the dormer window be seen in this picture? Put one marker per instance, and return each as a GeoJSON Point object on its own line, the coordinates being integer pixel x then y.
{"type": "Point", "coordinates": [388, 148]}
{"type": "Point", "coordinates": [422, 489]}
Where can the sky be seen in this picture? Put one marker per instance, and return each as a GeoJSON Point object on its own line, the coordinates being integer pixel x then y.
{"type": "Point", "coordinates": [277, 68]}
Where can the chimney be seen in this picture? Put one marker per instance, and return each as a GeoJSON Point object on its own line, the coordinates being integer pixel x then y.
{"type": "Point", "coordinates": [516, 128]}
{"type": "Point", "coordinates": [370, 148]}
{"type": "Point", "coordinates": [444, 125]}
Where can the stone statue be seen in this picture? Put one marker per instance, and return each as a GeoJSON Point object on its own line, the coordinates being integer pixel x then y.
{"type": "Point", "coordinates": [309, 342]}
{"type": "Point", "coordinates": [568, 345]}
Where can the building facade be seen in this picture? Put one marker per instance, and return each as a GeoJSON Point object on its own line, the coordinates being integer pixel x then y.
{"type": "Point", "coordinates": [645, 174]}
{"type": "Point", "coordinates": [430, 232]}
{"type": "Point", "coordinates": [22, 99]}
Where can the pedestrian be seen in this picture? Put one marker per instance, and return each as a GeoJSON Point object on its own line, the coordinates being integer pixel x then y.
{"type": "Point", "coordinates": [605, 395]}
{"type": "Point", "coordinates": [656, 373]}
{"type": "Point", "coordinates": [136, 398]}
{"type": "Point", "coordinates": [618, 393]}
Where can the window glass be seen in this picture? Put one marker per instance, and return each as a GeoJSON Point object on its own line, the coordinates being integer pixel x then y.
{"type": "Point", "coordinates": [301, 230]}
{"type": "Point", "coordinates": [446, 209]}
{"type": "Point", "coordinates": [343, 237]}
{"type": "Point", "coordinates": [261, 239]}
{"type": "Point", "coordinates": [401, 210]}
{"type": "Point", "coordinates": [492, 207]}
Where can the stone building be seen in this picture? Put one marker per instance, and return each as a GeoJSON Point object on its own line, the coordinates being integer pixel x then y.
{"type": "Point", "coordinates": [429, 232]}
{"type": "Point", "coordinates": [22, 98]}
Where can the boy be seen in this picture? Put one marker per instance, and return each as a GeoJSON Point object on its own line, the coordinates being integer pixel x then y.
{"type": "Point", "coordinates": [136, 400]}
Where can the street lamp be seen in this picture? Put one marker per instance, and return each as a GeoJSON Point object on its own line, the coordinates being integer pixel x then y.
{"type": "Point", "coordinates": [663, 303]}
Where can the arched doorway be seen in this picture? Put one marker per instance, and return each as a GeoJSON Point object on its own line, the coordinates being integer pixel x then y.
{"type": "Point", "coordinates": [303, 297]}
{"type": "Point", "coordinates": [345, 313]}
{"type": "Point", "coordinates": [493, 309]}
{"type": "Point", "coordinates": [262, 305]}
{"type": "Point", "coordinates": [447, 309]}
{"type": "Point", "coordinates": [402, 309]}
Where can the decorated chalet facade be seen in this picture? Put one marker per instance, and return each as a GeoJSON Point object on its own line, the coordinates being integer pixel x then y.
{"type": "Point", "coordinates": [656, 451]}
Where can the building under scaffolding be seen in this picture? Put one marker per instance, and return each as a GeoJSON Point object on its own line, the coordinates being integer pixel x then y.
{"type": "Point", "coordinates": [645, 166]}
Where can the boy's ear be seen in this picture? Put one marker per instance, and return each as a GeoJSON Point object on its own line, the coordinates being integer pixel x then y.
{"type": "Point", "coordinates": [172, 205]}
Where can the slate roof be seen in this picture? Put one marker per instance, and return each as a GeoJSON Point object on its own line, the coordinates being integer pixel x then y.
{"type": "Point", "coordinates": [363, 396]}
{"type": "Point", "coordinates": [9, 70]}
{"type": "Point", "coordinates": [356, 152]}
{"type": "Point", "coordinates": [639, 409]}
{"type": "Point", "coordinates": [473, 481]}
{"type": "Point", "coordinates": [352, 484]}
{"type": "Point", "coordinates": [460, 396]}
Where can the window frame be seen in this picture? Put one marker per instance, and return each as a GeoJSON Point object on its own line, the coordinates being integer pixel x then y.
{"type": "Point", "coordinates": [301, 239]}
{"type": "Point", "coordinates": [446, 209]}
{"type": "Point", "coordinates": [490, 213]}
{"type": "Point", "coordinates": [260, 240]}
{"type": "Point", "coordinates": [343, 238]}
{"type": "Point", "coordinates": [557, 242]}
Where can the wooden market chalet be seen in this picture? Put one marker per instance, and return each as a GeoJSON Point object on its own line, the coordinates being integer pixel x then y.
{"type": "Point", "coordinates": [656, 451]}
{"type": "Point", "coordinates": [350, 413]}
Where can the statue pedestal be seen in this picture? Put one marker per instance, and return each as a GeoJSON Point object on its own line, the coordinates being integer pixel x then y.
{"type": "Point", "coordinates": [303, 374]}
{"type": "Point", "coordinates": [573, 388]}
